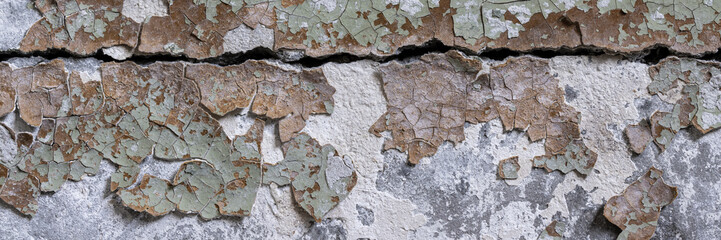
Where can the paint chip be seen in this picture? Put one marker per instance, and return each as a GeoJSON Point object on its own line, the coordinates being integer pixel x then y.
{"type": "Point", "coordinates": [508, 168]}
{"type": "Point", "coordinates": [637, 209]}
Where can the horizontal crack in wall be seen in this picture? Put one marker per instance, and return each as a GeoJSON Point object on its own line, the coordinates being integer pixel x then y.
{"type": "Point", "coordinates": [651, 55]}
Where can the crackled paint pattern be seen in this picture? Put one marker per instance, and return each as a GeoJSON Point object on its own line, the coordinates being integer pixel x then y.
{"type": "Point", "coordinates": [430, 100]}
{"type": "Point", "coordinates": [196, 28]}
{"type": "Point", "coordinates": [637, 209]}
{"type": "Point", "coordinates": [135, 112]}
{"type": "Point", "coordinates": [318, 176]}
{"type": "Point", "coordinates": [381, 27]}
{"type": "Point", "coordinates": [80, 26]}
{"type": "Point", "coordinates": [224, 182]}
{"type": "Point", "coordinates": [692, 86]}
{"type": "Point", "coordinates": [277, 93]}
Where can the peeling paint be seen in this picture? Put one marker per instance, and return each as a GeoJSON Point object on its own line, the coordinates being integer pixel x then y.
{"type": "Point", "coordinates": [697, 103]}
{"type": "Point", "coordinates": [637, 209]}
{"type": "Point", "coordinates": [135, 112]}
{"type": "Point", "coordinates": [174, 141]}
{"type": "Point", "coordinates": [82, 29]}
{"type": "Point", "coordinates": [318, 177]}
{"type": "Point", "coordinates": [427, 107]}
{"type": "Point", "coordinates": [198, 29]}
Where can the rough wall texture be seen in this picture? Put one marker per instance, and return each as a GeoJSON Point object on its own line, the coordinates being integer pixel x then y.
{"type": "Point", "coordinates": [360, 119]}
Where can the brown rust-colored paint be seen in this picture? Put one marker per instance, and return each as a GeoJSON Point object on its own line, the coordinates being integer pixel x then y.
{"type": "Point", "coordinates": [86, 97]}
{"type": "Point", "coordinates": [196, 28]}
{"type": "Point", "coordinates": [7, 90]}
{"type": "Point", "coordinates": [190, 30]}
{"type": "Point", "coordinates": [637, 209]}
{"type": "Point", "coordinates": [430, 100]}
{"type": "Point", "coordinates": [639, 135]}
{"type": "Point", "coordinates": [20, 191]}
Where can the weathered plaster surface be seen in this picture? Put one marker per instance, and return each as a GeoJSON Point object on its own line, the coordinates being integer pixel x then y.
{"type": "Point", "coordinates": [456, 193]}
{"type": "Point", "coordinates": [349, 144]}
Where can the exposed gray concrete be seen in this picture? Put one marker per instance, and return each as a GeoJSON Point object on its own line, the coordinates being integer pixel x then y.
{"type": "Point", "coordinates": [16, 17]}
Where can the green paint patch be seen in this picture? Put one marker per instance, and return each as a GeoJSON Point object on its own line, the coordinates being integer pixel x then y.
{"type": "Point", "coordinates": [692, 87]}
{"type": "Point", "coordinates": [320, 179]}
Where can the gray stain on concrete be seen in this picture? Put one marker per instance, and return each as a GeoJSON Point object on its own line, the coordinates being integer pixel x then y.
{"type": "Point", "coordinates": [452, 204]}
{"type": "Point", "coordinates": [328, 229]}
{"type": "Point", "coordinates": [365, 215]}
{"type": "Point", "coordinates": [692, 162]}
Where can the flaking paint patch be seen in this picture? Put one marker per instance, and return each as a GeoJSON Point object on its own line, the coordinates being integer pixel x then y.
{"type": "Point", "coordinates": [606, 94]}
{"type": "Point", "coordinates": [277, 91]}
{"type": "Point", "coordinates": [305, 169]}
{"type": "Point", "coordinates": [358, 103]}
{"type": "Point", "coordinates": [136, 111]}
{"type": "Point", "coordinates": [639, 136]}
{"type": "Point", "coordinates": [425, 109]}
{"type": "Point", "coordinates": [637, 209]}
{"type": "Point", "coordinates": [694, 85]}
{"type": "Point", "coordinates": [608, 128]}
{"type": "Point", "coordinates": [81, 29]}
{"type": "Point", "coordinates": [199, 27]}
{"type": "Point", "coordinates": [553, 231]}
{"type": "Point", "coordinates": [508, 168]}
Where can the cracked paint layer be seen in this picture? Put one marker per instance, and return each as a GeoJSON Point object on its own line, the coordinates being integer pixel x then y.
{"type": "Point", "coordinates": [637, 209]}
{"type": "Point", "coordinates": [277, 93]}
{"type": "Point", "coordinates": [19, 189]}
{"type": "Point", "coordinates": [430, 100]}
{"type": "Point", "coordinates": [692, 87]}
{"type": "Point", "coordinates": [80, 26]}
{"type": "Point", "coordinates": [225, 182]}
{"type": "Point", "coordinates": [135, 112]}
{"type": "Point", "coordinates": [380, 27]}
{"type": "Point", "coordinates": [463, 174]}
{"type": "Point", "coordinates": [318, 176]}
{"type": "Point", "coordinates": [196, 28]}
